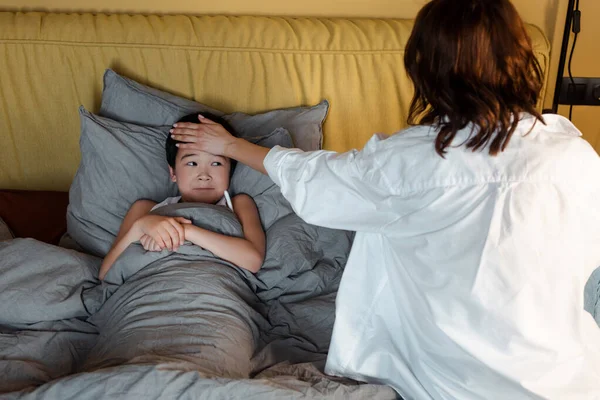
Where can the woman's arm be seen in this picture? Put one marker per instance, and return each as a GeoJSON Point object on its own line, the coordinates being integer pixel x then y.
{"type": "Point", "coordinates": [342, 191]}
{"type": "Point", "coordinates": [247, 153]}
{"type": "Point", "coordinates": [247, 252]}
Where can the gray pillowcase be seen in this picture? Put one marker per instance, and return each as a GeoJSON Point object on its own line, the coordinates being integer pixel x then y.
{"type": "Point", "coordinates": [266, 194]}
{"type": "Point", "coordinates": [126, 100]}
{"type": "Point", "coordinates": [120, 163]}
{"type": "Point", "coordinates": [248, 180]}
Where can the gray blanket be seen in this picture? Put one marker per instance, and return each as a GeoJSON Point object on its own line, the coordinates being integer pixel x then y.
{"type": "Point", "coordinates": [175, 325]}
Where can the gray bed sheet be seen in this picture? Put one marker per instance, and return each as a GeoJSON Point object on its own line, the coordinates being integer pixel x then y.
{"type": "Point", "coordinates": [175, 325]}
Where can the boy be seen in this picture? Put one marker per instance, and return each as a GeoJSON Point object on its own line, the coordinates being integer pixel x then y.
{"type": "Point", "coordinates": [201, 177]}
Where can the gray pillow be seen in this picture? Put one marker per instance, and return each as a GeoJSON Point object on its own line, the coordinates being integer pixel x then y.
{"type": "Point", "coordinates": [120, 163]}
{"type": "Point", "coordinates": [248, 180]}
{"type": "Point", "coordinates": [126, 100]}
{"type": "Point", "coordinates": [266, 194]}
{"type": "Point", "coordinates": [5, 232]}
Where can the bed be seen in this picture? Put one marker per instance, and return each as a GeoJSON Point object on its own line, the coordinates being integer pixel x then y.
{"type": "Point", "coordinates": [84, 101]}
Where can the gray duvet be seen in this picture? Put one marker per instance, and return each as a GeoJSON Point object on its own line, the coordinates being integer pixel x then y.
{"type": "Point", "coordinates": [175, 325]}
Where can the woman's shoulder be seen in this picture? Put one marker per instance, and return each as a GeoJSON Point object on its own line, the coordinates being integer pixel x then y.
{"type": "Point", "coordinates": [411, 132]}
{"type": "Point", "coordinates": [555, 135]}
{"type": "Point", "coordinates": [413, 137]}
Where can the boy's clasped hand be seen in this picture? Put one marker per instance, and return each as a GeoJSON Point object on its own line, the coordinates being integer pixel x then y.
{"type": "Point", "coordinates": [158, 233]}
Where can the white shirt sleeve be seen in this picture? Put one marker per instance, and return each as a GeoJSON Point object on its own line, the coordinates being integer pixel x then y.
{"type": "Point", "coordinates": [342, 191]}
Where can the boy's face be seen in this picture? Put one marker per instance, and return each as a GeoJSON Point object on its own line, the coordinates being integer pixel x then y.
{"type": "Point", "coordinates": [201, 177]}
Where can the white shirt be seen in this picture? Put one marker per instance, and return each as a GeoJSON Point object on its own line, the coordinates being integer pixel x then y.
{"type": "Point", "coordinates": [467, 274]}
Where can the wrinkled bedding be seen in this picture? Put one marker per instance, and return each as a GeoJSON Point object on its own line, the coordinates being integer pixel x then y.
{"type": "Point", "coordinates": [175, 325]}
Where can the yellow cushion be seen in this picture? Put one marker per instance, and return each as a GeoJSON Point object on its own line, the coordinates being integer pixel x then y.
{"type": "Point", "coordinates": [52, 63]}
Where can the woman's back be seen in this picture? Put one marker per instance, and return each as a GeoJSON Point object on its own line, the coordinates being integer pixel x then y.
{"type": "Point", "coordinates": [478, 281]}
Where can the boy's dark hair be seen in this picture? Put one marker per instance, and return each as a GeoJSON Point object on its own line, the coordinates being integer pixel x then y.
{"type": "Point", "coordinates": [170, 145]}
{"type": "Point", "coordinates": [471, 61]}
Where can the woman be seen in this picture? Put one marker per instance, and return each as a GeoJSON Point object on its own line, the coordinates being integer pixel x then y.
{"type": "Point", "coordinates": [476, 229]}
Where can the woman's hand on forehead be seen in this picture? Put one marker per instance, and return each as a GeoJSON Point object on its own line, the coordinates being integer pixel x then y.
{"type": "Point", "coordinates": [207, 136]}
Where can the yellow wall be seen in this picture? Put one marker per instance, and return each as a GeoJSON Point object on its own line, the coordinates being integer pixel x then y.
{"type": "Point", "coordinates": [549, 15]}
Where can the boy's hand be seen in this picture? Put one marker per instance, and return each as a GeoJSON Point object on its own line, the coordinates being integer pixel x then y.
{"type": "Point", "coordinates": [189, 231]}
{"type": "Point", "coordinates": [167, 232]}
{"type": "Point", "coordinates": [149, 244]}
{"type": "Point", "coordinates": [207, 136]}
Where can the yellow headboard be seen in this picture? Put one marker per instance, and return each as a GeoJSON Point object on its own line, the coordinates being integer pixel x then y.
{"type": "Point", "coordinates": [52, 63]}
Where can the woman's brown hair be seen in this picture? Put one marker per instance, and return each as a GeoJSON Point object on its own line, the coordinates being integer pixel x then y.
{"type": "Point", "coordinates": [471, 61]}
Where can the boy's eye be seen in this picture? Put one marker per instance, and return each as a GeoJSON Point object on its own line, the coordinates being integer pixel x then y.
{"type": "Point", "coordinates": [216, 164]}
{"type": "Point", "coordinates": [191, 163]}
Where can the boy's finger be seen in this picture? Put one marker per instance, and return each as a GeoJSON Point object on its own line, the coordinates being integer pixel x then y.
{"type": "Point", "coordinates": [182, 220]}
{"type": "Point", "coordinates": [180, 233]}
{"type": "Point", "coordinates": [166, 239]}
{"type": "Point", "coordinates": [175, 235]}
{"type": "Point", "coordinates": [180, 236]}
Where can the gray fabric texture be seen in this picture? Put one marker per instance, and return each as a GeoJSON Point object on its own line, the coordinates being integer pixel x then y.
{"type": "Point", "coordinates": [157, 382]}
{"type": "Point", "coordinates": [5, 232]}
{"type": "Point", "coordinates": [43, 334]}
{"type": "Point", "coordinates": [180, 324]}
{"type": "Point", "coordinates": [248, 180]}
{"type": "Point", "coordinates": [591, 295]}
{"type": "Point", "coordinates": [55, 294]}
{"type": "Point", "coordinates": [126, 100]}
{"type": "Point", "coordinates": [33, 354]}
{"type": "Point", "coordinates": [120, 163]}
{"type": "Point", "coordinates": [266, 194]}
{"type": "Point", "coordinates": [67, 242]}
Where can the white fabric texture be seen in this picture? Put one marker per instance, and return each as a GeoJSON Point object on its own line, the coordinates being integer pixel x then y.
{"type": "Point", "coordinates": [225, 202]}
{"type": "Point", "coordinates": [466, 277]}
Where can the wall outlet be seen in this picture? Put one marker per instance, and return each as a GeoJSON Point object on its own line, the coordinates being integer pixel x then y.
{"type": "Point", "coordinates": [585, 92]}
